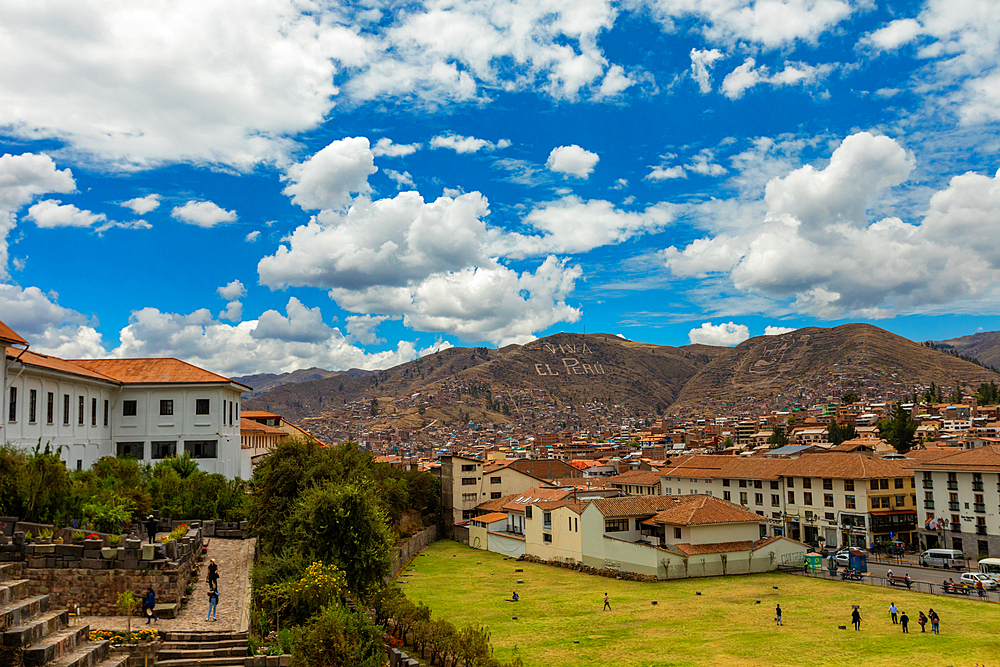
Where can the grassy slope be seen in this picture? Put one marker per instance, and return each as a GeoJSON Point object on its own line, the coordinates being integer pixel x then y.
{"type": "Point", "coordinates": [722, 626]}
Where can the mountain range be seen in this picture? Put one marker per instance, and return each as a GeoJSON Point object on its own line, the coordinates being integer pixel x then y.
{"type": "Point", "coordinates": [983, 346]}
{"type": "Point", "coordinates": [577, 368]}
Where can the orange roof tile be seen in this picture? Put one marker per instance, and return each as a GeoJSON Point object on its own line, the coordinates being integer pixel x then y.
{"type": "Point", "coordinates": [638, 477]}
{"type": "Point", "coordinates": [152, 371]}
{"type": "Point", "coordinates": [981, 458]}
{"type": "Point", "coordinates": [491, 517]}
{"type": "Point", "coordinates": [56, 364]}
{"type": "Point", "coordinates": [630, 506]}
{"type": "Point", "coordinates": [714, 548]}
{"type": "Point", "coordinates": [259, 414]}
{"type": "Point", "coordinates": [8, 335]}
{"type": "Point", "coordinates": [250, 426]}
{"type": "Point", "coordinates": [700, 510]}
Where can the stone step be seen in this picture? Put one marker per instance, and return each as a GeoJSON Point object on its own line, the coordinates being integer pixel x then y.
{"type": "Point", "coordinates": [228, 661]}
{"type": "Point", "coordinates": [116, 660]}
{"type": "Point", "coordinates": [13, 590]}
{"type": "Point", "coordinates": [21, 611]}
{"type": "Point", "coordinates": [10, 570]}
{"type": "Point", "coordinates": [36, 628]}
{"type": "Point", "coordinates": [56, 645]}
{"type": "Point", "coordinates": [225, 643]}
{"type": "Point", "coordinates": [88, 655]}
{"type": "Point", "coordinates": [198, 654]}
{"type": "Point", "coordinates": [203, 636]}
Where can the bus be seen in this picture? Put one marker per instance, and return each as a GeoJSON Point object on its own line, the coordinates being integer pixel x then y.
{"type": "Point", "coordinates": [991, 568]}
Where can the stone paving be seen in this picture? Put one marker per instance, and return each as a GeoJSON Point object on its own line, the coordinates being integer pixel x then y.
{"type": "Point", "coordinates": [235, 560]}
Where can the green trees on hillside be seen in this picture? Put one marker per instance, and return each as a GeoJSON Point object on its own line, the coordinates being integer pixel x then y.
{"type": "Point", "coordinates": [837, 434]}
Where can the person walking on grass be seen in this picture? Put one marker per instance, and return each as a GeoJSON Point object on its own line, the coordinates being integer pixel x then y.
{"type": "Point", "coordinates": [922, 621]}
{"type": "Point", "coordinates": [904, 621]}
{"type": "Point", "coordinates": [856, 619]}
{"type": "Point", "coordinates": [935, 621]}
{"type": "Point", "coordinates": [607, 603]}
{"type": "Point", "coordinates": [777, 615]}
{"type": "Point", "coordinates": [213, 603]}
{"type": "Point", "coordinates": [892, 612]}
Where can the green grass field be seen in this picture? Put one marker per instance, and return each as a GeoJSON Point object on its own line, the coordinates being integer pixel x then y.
{"type": "Point", "coordinates": [722, 626]}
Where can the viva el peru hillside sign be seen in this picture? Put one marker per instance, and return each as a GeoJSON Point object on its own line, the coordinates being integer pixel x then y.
{"type": "Point", "coordinates": [569, 360]}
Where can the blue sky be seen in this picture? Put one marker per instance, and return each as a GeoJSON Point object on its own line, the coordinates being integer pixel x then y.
{"type": "Point", "coordinates": [265, 186]}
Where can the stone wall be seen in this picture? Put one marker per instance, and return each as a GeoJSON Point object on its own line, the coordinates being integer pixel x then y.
{"type": "Point", "coordinates": [402, 553]}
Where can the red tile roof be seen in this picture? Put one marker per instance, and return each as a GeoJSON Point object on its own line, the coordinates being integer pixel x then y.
{"type": "Point", "coordinates": [56, 364]}
{"type": "Point", "coordinates": [8, 335]}
{"type": "Point", "coordinates": [259, 414]}
{"type": "Point", "coordinates": [700, 510]}
{"type": "Point", "coordinates": [152, 371]}
{"type": "Point", "coordinates": [250, 426]}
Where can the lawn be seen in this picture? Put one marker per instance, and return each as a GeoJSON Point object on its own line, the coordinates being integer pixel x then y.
{"type": "Point", "coordinates": [560, 621]}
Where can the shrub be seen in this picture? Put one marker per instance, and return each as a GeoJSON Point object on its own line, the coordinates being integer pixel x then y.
{"type": "Point", "coordinates": [338, 637]}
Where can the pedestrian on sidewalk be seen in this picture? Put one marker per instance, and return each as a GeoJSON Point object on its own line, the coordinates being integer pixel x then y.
{"type": "Point", "coordinates": [213, 574]}
{"type": "Point", "coordinates": [213, 603]}
{"type": "Point", "coordinates": [777, 615]}
{"type": "Point", "coordinates": [892, 612]}
{"type": "Point", "coordinates": [149, 605]}
{"type": "Point", "coordinates": [904, 620]}
{"type": "Point", "coordinates": [856, 619]}
{"type": "Point", "coordinates": [607, 604]}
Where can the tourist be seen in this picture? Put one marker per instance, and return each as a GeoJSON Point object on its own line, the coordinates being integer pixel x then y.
{"type": "Point", "coordinates": [935, 621]}
{"type": "Point", "coordinates": [856, 618]}
{"type": "Point", "coordinates": [904, 620]}
{"type": "Point", "coordinates": [892, 612]}
{"type": "Point", "coordinates": [888, 575]}
{"type": "Point", "coordinates": [922, 620]}
{"type": "Point", "coordinates": [151, 525]}
{"type": "Point", "coordinates": [213, 603]}
{"type": "Point", "coordinates": [777, 615]}
{"type": "Point", "coordinates": [213, 574]}
{"type": "Point", "coordinates": [908, 581]}
{"type": "Point", "coordinates": [149, 605]}
{"type": "Point", "coordinates": [607, 604]}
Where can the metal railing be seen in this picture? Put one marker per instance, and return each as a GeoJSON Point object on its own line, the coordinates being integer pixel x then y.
{"type": "Point", "coordinates": [918, 586]}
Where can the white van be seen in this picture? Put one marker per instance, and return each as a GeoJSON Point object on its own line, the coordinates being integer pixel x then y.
{"type": "Point", "coordinates": [945, 558]}
{"type": "Point", "coordinates": [990, 567]}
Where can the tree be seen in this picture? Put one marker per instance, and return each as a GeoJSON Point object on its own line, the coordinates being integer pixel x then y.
{"type": "Point", "coordinates": [837, 434]}
{"type": "Point", "coordinates": [849, 397]}
{"type": "Point", "coordinates": [777, 438]}
{"type": "Point", "coordinates": [374, 407]}
{"type": "Point", "coordinates": [898, 430]}
{"type": "Point", "coordinates": [338, 637]}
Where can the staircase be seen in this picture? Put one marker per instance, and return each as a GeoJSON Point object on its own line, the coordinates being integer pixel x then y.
{"type": "Point", "coordinates": [202, 649]}
{"type": "Point", "coordinates": [32, 635]}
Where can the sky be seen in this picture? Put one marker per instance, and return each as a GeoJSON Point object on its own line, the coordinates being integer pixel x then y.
{"type": "Point", "coordinates": [267, 185]}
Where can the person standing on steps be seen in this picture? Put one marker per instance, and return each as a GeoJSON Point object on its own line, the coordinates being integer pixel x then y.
{"type": "Point", "coordinates": [151, 526]}
{"type": "Point", "coordinates": [213, 574]}
{"type": "Point", "coordinates": [213, 603]}
{"type": "Point", "coordinates": [892, 612]}
{"type": "Point", "coordinates": [149, 605]}
{"type": "Point", "coordinates": [777, 615]}
{"type": "Point", "coordinates": [856, 619]}
{"type": "Point", "coordinates": [607, 604]}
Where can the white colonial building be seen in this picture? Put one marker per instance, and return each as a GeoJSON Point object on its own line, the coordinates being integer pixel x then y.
{"type": "Point", "coordinates": [145, 408]}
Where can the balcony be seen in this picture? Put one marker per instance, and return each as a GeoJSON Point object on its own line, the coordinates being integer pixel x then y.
{"type": "Point", "coordinates": [953, 507]}
{"type": "Point", "coordinates": [979, 507]}
{"type": "Point", "coordinates": [952, 485]}
{"type": "Point", "coordinates": [980, 530]}
{"type": "Point", "coordinates": [977, 486]}
{"type": "Point", "coordinates": [928, 504]}
{"type": "Point", "coordinates": [955, 527]}
{"type": "Point", "coordinates": [928, 484]}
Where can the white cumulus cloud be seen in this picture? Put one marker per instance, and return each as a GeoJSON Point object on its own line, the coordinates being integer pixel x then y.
{"type": "Point", "coordinates": [385, 147]}
{"type": "Point", "coordinates": [327, 179]}
{"type": "Point", "coordinates": [232, 290]}
{"type": "Point", "coordinates": [252, 236]}
{"type": "Point", "coordinates": [572, 160]}
{"type": "Point", "coordinates": [461, 144]}
{"type": "Point", "coordinates": [143, 205]}
{"type": "Point", "coordinates": [203, 214]}
{"type": "Point", "coordinates": [725, 334]}
{"type": "Point", "coordinates": [771, 330]}
{"type": "Point", "coordinates": [52, 213]}
{"type": "Point", "coordinates": [702, 62]}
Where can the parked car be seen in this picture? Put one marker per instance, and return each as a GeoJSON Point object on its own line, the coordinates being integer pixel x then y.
{"type": "Point", "coordinates": [972, 578]}
{"type": "Point", "coordinates": [945, 558]}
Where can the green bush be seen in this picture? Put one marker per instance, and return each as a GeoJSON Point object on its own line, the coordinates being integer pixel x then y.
{"type": "Point", "coordinates": [338, 637]}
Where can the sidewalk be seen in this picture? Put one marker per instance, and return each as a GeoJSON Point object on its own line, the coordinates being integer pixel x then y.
{"type": "Point", "coordinates": [235, 559]}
